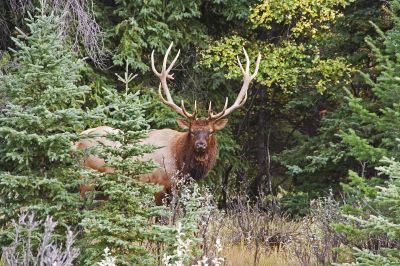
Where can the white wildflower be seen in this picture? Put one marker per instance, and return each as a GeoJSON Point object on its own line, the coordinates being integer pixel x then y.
{"type": "Point", "coordinates": [108, 259]}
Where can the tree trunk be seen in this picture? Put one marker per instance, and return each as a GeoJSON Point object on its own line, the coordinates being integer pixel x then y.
{"type": "Point", "coordinates": [260, 148]}
{"type": "Point", "coordinates": [225, 183]}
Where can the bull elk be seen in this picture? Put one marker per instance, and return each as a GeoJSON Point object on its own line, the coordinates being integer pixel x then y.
{"type": "Point", "coordinates": [192, 152]}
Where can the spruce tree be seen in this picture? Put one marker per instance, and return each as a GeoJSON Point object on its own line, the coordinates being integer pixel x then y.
{"type": "Point", "coordinates": [125, 221]}
{"type": "Point", "coordinates": [371, 206]}
{"type": "Point", "coordinates": [39, 170]}
{"type": "Point", "coordinates": [128, 222]}
{"type": "Point", "coordinates": [385, 222]}
{"type": "Point", "coordinates": [372, 212]}
{"type": "Point", "coordinates": [374, 121]}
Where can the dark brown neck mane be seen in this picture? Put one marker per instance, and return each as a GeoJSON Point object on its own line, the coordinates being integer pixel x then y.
{"type": "Point", "coordinates": [191, 163]}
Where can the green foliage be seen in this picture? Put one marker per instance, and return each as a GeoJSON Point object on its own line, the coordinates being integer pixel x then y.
{"type": "Point", "coordinates": [222, 56]}
{"type": "Point", "coordinates": [231, 10]}
{"type": "Point", "coordinates": [372, 209]}
{"type": "Point", "coordinates": [360, 148]}
{"type": "Point", "coordinates": [39, 123]}
{"type": "Point", "coordinates": [376, 122]}
{"type": "Point", "coordinates": [123, 221]}
{"type": "Point", "coordinates": [302, 17]}
{"type": "Point", "coordinates": [321, 158]}
{"type": "Point", "coordinates": [148, 25]}
{"type": "Point", "coordinates": [295, 203]}
{"type": "Point", "coordinates": [295, 78]}
{"type": "Point", "coordinates": [126, 222]}
{"type": "Point", "coordinates": [40, 169]}
{"type": "Point", "coordinates": [190, 212]}
{"type": "Point", "coordinates": [373, 212]}
{"type": "Point", "coordinates": [320, 105]}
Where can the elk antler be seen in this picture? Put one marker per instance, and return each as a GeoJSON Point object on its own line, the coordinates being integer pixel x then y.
{"type": "Point", "coordinates": [164, 76]}
{"type": "Point", "coordinates": [242, 96]}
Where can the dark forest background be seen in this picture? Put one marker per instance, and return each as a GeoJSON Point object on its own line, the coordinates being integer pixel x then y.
{"type": "Point", "coordinates": [323, 108]}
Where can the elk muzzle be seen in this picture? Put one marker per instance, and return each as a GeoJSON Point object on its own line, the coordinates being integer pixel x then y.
{"type": "Point", "coordinates": [200, 146]}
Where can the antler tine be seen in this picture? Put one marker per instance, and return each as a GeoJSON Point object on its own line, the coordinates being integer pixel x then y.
{"type": "Point", "coordinates": [164, 65]}
{"type": "Point", "coordinates": [257, 66]}
{"type": "Point", "coordinates": [186, 113]}
{"type": "Point", "coordinates": [162, 97]}
{"type": "Point", "coordinates": [211, 116]}
{"type": "Point", "coordinates": [247, 61]}
{"type": "Point", "coordinates": [243, 101]}
{"type": "Point", "coordinates": [153, 67]}
{"type": "Point", "coordinates": [239, 102]}
{"type": "Point", "coordinates": [240, 64]}
{"type": "Point", "coordinates": [209, 111]}
{"type": "Point", "coordinates": [173, 61]}
{"type": "Point", "coordinates": [242, 96]}
{"type": "Point", "coordinates": [164, 76]}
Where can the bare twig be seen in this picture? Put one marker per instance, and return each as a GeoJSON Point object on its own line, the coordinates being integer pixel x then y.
{"type": "Point", "coordinates": [20, 7]}
{"type": "Point", "coordinates": [47, 251]}
{"type": "Point", "coordinates": [78, 22]}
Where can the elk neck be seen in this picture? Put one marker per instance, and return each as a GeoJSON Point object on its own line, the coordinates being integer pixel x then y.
{"type": "Point", "coordinates": [191, 163]}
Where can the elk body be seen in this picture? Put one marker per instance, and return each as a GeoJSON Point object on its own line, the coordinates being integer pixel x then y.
{"type": "Point", "coordinates": [191, 153]}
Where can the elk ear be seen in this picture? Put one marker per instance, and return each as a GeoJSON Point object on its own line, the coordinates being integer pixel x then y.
{"type": "Point", "coordinates": [183, 123]}
{"type": "Point", "coordinates": [220, 124]}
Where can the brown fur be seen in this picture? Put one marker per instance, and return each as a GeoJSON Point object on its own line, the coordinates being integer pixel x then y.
{"type": "Point", "coordinates": [193, 164]}
{"type": "Point", "coordinates": [177, 153]}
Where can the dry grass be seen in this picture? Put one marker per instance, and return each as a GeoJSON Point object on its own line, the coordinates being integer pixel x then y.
{"type": "Point", "coordinates": [258, 238]}
{"type": "Point", "coordinates": [240, 255]}
{"type": "Point", "coordinates": [253, 236]}
{"type": "Point", "coordinates": [243, 248]}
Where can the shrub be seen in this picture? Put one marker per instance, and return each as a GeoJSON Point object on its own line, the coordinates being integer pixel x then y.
{"type": "Point", "coordinates": [39, 169]}
{"type": "Point", "coordinates": [373, 232]}
{"type": "Point", "coordinates": [33, 246]}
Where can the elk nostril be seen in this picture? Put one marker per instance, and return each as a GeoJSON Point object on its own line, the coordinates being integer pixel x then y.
{"type": "Point", "coordinates": [200, 146]}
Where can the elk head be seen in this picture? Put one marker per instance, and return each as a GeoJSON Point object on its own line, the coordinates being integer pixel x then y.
{"type": "Point", "coordinates": [201, 131]}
